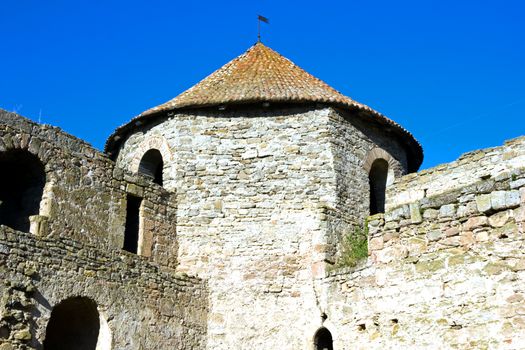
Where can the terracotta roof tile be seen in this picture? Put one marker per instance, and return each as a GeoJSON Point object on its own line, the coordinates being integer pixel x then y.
{"type": "Point", "coordinates": [263, 75]}
{"type": "Point", "coordinates": [258, 75]}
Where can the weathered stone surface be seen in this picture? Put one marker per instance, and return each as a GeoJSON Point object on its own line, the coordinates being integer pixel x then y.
{"type": "Point", "coordinates": [459, 286]}
{"type": "Point", "coordinates": [74, 249]}
{"type": "Point", "coordinates": [484, 203]}
{"type": "Point", "coordinates": [415, 213]}
{"type": "Point", "coordinates": [475, 222]}
{"type": "Point", "coordinates": [448, 210]}
{"type": "Point", "coordinates": [257, 203]}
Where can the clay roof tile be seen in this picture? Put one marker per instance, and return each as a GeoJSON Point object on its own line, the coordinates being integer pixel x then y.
{"type": "Point", "coordinates": [263, 75]}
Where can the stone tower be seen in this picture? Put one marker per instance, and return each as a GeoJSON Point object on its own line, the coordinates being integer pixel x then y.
{"type": "Point", "coordinates": [270, 167]}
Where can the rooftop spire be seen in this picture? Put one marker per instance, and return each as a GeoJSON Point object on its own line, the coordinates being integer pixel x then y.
{"type": "Point", "coordinates": [259, 19]}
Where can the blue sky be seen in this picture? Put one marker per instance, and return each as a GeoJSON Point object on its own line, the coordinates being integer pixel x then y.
{"type": "Point", "coordinates": [451, 72]}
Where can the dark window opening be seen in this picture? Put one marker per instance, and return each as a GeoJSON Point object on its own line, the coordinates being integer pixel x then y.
{"type": "Point", "coordinates": [323, 340]}
{"type": "Point", "coordinates": [131, 231]}
{"type": "Point", "coordinates": [22, 180]}
{"type": "Point", "coordinates": [152, 165]}
{"type": "Point", "coordinates": [377, 179]}
{"type": "Point", "coordinates": [74, 324]}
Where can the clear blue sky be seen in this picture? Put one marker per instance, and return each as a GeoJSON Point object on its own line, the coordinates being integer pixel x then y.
{"type": "Point", "coordinates": [451, 72]}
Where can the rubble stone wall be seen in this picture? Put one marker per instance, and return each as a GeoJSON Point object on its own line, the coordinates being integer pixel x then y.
{"type": "Point", "coordinates": [85, 195]}
{"type": "Point", "coordinates": [354, 147]}
{"type": "Point", "coordinates": [445, 271]}
{"type": "Point", "coordinates": [74, 248]}
{"type": "Point", "coordinates": [257, 192]}
{"type": "Point", "coordinates": [144, 306]}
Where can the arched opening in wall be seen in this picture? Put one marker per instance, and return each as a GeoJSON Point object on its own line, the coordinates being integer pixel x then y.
{"type": "Point", "coordinates": [152, 165]}
{"type": "Point", "coordinates": [377, 180]}
{"type": "Point", "coordinates": [74, 324]}
{"type": "Point", "coordinates": [22, 181]}
{"type": "Point", "coordinates": [323, 339]}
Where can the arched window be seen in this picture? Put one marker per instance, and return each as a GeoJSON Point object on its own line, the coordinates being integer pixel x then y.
{"type": "Point", "coordinates": [22, 180]}
{"type": "Point", "coordinates": [74, 324]}
{"type": "Point", "coordinates": [377, 179]}
{"type": "Point", "coordinates": [152, 165]}
{"type": "Point", "coordinates": [323, 339]}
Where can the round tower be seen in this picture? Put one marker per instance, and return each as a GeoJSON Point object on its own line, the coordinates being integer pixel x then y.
{"type": "Point", "coordinates": [271, 167]}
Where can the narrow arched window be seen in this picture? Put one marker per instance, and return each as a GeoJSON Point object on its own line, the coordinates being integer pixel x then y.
{"type": "Point", "coordinates": [152, 165]}
{"type": "Point", "coordinates": [377, 179]}
{"type": "Point", "coordinates": [323, 339]}
{"type": "Point", "coordinates": [22, 180]}
{"type": "Point", "coordinates": [74, 324]}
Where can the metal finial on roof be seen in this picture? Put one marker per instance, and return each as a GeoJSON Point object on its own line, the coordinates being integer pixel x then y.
{"type": "Point", "coordinates": [259, 19]}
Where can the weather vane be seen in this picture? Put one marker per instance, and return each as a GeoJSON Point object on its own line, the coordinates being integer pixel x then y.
{"type": "Point", "coordinates": [259, 19]}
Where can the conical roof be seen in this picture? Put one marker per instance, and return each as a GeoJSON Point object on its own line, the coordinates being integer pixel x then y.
{"type": "Point", "coordinates": [258, 75]}
{"type": "Point", "coordinates": [263, 75]}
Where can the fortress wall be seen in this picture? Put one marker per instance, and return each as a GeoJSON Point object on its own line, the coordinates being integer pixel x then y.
{"type": "Point", "coordinates": [446, 271]}
{"type": "Point", "coordinates": [353, 143]}
{"type": "Point", "coordinates": [470, 168]}
{"type": "Point", "coordinates": [85, 196]}
{"type": "Point", "coordinates": [257, 193]}
{"type": "Point", "coordinates": [144, 306]}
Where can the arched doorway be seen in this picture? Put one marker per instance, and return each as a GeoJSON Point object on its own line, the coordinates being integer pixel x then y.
{"type": "Point", "coordinates": [323, 339]}
{"type": "Point", "coordinates": [74, 325]}
{"type": "Point", "coordinates": [152, 165]}
{"type": "Point", "coordinates": [22, 180]}
{"type": "Point", "coordinates": [377, 178]}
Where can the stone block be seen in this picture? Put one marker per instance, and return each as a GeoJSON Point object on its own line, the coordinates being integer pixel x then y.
{"type": "Point", "coordinates": [417, 246]}
{"type": "Point", "coordinates": [512, 199]}
{"type": "Point", "coordinates": [448, 210]}
{"type": "Point", "coordinates": [495, 268]}
{"type": "Point", "coordinates": [435, 235]}
{"type": "Point", "coordinates": [484, 203]}
{"type": "Point", "coordinates": [475, 222]}
{"type": "Point", "coordinates": [390, 235]}
{"type": "Point", "coordinates": [482, 236]}
{"type": "Point", "coordinates": [519, 265]}
{"type": "Point", "coordinates": [519, 214]}
{"type": "Point", "coordinates": [453, 231]}
{"type": "Point", "coordinates": [415, 213]}
{"type": "Point", "coordinates": [430, 213]}
{"type": "Point", "coordinates": [402, 212]}
{"type": "Point", "coordinates": [467, 209]}
{"type": "Point", "coordinates": [501, 218]}
{"type": "Point", "coordinates": [23, 334]}
{"type": "Point", "coordinates": [376, 243]}
{"type": "Point", "coordinates": [498, 200]}
{"type": "Point", "coordinates": [518, 183]}
{"type": "Point", "coordinates": [430, 266]}
{"type": "Point", "coordinates": [249, 154]}
{"type": "Point", "coordinates": [408, 196]}
{"type": "Point", "coordinates": [454, 241]}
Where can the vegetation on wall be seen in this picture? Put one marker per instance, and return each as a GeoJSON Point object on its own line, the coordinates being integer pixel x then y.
{"type": "Point", "coordinates": [353, 247]}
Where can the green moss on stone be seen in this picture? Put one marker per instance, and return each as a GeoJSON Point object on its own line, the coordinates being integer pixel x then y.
{"type": "Point", "coordinates": [430, 265]}
{"type": "Point", "coordinates": [495, 268]}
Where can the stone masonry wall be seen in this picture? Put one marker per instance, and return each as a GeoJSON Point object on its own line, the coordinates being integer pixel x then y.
{"type": "Point", "coordinates": [85, 195]}
{"type": "Point", "coordinates": [76, 250]}
{"type": "Point", "coordinates": [248, 186]}
{"type": "Point", "coordinates": [446, 270]}
{"type": "Point", "coordinates": [353, 143]}
{"type": "Point", "coordinates": [256, 196]}
{"type": "Point", "coordinates": [144, 306]}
